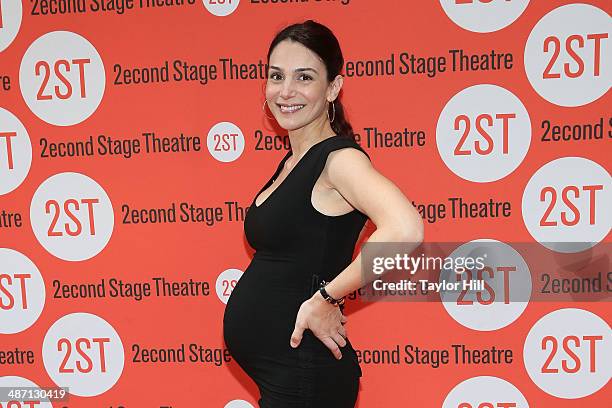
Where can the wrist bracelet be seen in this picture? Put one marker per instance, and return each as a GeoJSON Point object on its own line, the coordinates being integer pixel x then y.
{"type": "Point", "coordinates": [327, 297]}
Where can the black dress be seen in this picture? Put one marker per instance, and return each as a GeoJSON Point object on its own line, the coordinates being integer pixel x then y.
{"type": "Point", "coordinates": [295, 247]}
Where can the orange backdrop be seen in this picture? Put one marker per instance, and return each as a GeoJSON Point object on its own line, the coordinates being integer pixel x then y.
{"type": "Point", "coordinates": [98, 188]}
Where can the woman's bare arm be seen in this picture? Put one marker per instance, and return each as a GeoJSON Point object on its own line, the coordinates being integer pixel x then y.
{"type": "Point", "coordinates": [350, 172]}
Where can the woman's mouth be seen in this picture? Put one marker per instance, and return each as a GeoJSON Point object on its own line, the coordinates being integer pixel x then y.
{"type": "Point", "coordinates": [290, 108]}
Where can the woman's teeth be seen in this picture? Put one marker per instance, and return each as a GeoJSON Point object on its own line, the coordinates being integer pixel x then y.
{"type": "Point", "coordinates": [290, 109]}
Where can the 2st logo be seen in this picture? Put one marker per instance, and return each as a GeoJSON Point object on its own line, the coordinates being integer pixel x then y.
{"type": "Point", "coordinates": [565, 204]}
{"type": "Point", "coordinates": [567, 353]}
{"type": "Point", "coordinates": [15, 152]}
{"type": "Point", "coordinates": [226, 282]}
{"type": "Point", "coordinates": [567, 194]}
{"type": "Point", "coordinates": [61, 68]}
{"type": "Point", "coordinates": [486, 144]}
{"type": "Point", "coordinates": [489, 293]}
{"type": "Point", "coordinates": [553, 44]}
{"type": "Point", "coordinates": [70, 208]}
{"type": "Point", "coordinates": [10, 21]}
{"type": "Point", "coordinates": [569, 347]}
{"type": "Point", "coordinates": [566, 63]}
{"type": "Point", "coordinates": [498, 293]}
{"type": "Point", "coordinates": [83, 352]}
{"type": "Point", "coordinates": [225, 141]}
{"type": "Point", "coordinates": [22, 292]}
{"type": "Point", "coordinates": [90, 354]}
{"type": "Point", "coordinates": [72, 216]}
{"type": "Point", "coordinates": [483, 127]}
{"type": "Point", "coordinates": [62, 78]}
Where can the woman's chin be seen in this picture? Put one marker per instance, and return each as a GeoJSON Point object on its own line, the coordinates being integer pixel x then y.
{"type": "Point", "coordinates": [289, 125]}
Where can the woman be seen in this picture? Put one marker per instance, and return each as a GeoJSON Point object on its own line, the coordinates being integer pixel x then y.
{"type": "Point", "coordinates": [279, 325]}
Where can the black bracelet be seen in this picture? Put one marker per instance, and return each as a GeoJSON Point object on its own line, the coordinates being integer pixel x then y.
{"type": "Point", "coordinates": [327, 297]}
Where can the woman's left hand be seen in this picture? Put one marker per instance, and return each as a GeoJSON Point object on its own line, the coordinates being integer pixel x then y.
{"type": "Point", "coordinates": [324, 320]}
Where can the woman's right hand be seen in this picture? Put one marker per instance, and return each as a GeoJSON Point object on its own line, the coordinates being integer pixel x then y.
{"type": "Point", "coordinates": [326, 322]}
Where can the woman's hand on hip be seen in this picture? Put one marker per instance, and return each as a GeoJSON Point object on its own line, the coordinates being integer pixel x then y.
{"type": "Point", "coordinates": [324, 320]}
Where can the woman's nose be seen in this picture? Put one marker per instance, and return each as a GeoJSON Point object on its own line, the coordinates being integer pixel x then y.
{"type": "Point", "coordinates": [287, 88]}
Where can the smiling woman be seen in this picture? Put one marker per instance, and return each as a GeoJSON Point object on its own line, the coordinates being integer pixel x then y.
{"type": "Point", "coordinates": [284, 322]}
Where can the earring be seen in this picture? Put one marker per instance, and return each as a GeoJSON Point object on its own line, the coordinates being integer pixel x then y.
{"type": "Point", "coordinates": [264, 110]}
{"type": "Point", "coordinates": [333, 112]}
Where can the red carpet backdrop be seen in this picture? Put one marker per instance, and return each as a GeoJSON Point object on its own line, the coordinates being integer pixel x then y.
{"type": "Point", "coordinates": [132, 142]}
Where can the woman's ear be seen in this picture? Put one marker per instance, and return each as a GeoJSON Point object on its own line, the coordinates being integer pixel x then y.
{"type": "Point", "coordinates": [334, 88]}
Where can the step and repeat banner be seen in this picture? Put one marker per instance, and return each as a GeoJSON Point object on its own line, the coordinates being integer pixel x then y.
{"type": "Point", "coordinates": [132, 142]}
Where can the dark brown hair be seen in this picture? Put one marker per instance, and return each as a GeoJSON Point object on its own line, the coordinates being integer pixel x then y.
{"type": "Point", "coordinates": [320, 40]}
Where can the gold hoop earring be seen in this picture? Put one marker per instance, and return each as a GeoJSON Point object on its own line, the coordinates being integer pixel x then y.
{"type": "Point", "coordinates": [264, 110]}
{"type": "Point", "coordinates": [333, 112]}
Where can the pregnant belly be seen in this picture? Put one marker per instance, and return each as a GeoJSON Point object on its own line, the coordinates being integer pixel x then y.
{"type": "Point", "coordinates": [261, 310]}
{"type": "Point", "coordinates": [260, 317]}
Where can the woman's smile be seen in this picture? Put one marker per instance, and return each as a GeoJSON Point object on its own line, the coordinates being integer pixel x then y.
{"type": "Point", "coordinates": [284, 108]}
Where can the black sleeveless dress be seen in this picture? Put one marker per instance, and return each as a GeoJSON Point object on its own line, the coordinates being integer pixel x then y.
{"type": "Point", "coordinates": [296, 247]}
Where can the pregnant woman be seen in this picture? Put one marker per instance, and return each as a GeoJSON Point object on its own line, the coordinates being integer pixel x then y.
{"type": "Point", "coordinates": [283, 322]}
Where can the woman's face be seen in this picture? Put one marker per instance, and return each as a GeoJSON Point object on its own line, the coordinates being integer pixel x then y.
{"type": "Point", "coordinates": [297, 89]}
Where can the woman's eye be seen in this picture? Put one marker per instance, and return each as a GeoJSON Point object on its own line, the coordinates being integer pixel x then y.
{"type": "Point", "coordinates": [275, 76]}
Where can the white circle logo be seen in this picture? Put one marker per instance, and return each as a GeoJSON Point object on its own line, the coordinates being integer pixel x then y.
{"type": "Point", "coordinates": [221, 8]}
{"type": "Point", "coordinates": [485, 392]}
{"type": "Point", "coordinates": [10, 20]}
{"type": "Point", "coordinates": [567, 353]}
{"type": "Point", "coordinates": [567, 55]}
{"type": "Point", "coordinates": [83, 352]}
{"type": "Point", "coordinates": [62, 78]}
{"type": "Point", "coordinates": [483, 16]}
{"type": "Point", "coordinates": [15, 152]}
{"type": "Point", "coordinates": [491, 296]}
{"type": "Point", "coordinates": [22, 292]}
{"type": "Point", "coordinates": [566, 204]}
{"type": "Point", "coordinates": [225, 141]}
{"type": "Point", "coordinates": [72, 216]}
{"type": "Point", "coordinates": [12, 382]}
{"type": "Point", "coordinates": [483, 133]}
{"type": "Point", "coordinates": [226, 282]}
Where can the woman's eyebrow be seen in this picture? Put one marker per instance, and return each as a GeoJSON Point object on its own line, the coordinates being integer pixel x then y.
{"type": "Point", "coordinates": [295, 70]}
